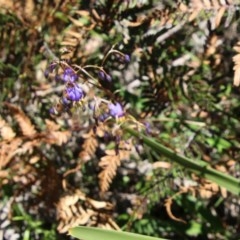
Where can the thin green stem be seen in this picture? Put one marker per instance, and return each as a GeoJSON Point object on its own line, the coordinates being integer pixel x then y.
{"type": "Point", "coordinates": [93, 67]}
{"type": "Point", "coordinates": [108, 54]}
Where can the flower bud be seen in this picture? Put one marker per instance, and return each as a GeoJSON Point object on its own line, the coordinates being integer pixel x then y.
{"type": "Point", "coordinates": [123, 58]}
{"type": "Point", "coordinates": [101, 75]}
{"type": "Point", "coordinates": [127, 58]}
{"type": "Point", "coordinates": [104, 76]}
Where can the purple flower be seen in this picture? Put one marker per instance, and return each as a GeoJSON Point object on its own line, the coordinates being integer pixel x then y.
{"type": "Point", "coordinates": [65, 102]}
{"type": "Point", "coordinates": [127, 58]}
{"type": "Point", "coordinates": [49, 69]}
{"type": "Point", "coordinates": [58, 77]}
{"type": "Point", "coordinates": [103, 117]}
{"type": "Point", "coordinates": [108, 78]}
{"type": "Point", "coordinates": [116, 110]}
{"type": "Point", "coordinates": [69, 75]}
{"type": "Point", "coordinates": [123, 58]}
{"type": "Point", "coordinates": [148, 127]}
{"type": "Point", "coordinates": [53, 111]}
{"type": "Point", "coordinates": [46, 73]}
{"type": "Point", "coordinates": [101, 75]}
{"type": "Point", "coordinates": [74, 93]}
{"type": "Point", "coordinates": [104, 76]}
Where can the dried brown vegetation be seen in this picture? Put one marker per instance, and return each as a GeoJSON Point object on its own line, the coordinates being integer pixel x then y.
{"type": "Point", "coordinates": [185, 61]}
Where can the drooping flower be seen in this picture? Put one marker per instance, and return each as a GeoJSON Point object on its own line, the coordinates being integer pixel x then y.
{"type": "Point", "coordinates": [74, 92]}
{"type": "Point", "coordinates": [116, 110]}
{"type": "Point", "coordinates": [104, 76]}
{"type": "Point", "coordinates": [123, 58]}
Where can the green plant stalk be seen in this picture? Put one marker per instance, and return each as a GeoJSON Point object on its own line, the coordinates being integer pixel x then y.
{"type": "Point", "coordinates": [92, 233]}
{"type": "Point", "coordinates": [199, 167]}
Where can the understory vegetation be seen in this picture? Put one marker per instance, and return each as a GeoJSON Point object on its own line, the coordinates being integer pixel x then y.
{"type": "Point", "coordinates": [122, 115]}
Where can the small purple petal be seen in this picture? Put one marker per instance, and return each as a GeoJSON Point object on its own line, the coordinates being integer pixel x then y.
{"type": "Point", "coordinates": [65, 101]}
{"type": "Point", "coordinates": [106, 136]}
{"type": "Point", "coordinates": [147, 125]}
{"type": "Point", "coordinates": [58, 77]}
{"type": "Point", "coordinates": [101, 75]}
{"type": "Point", "coordinates": [104, 76]}
{"type": "Point", "coordinates": [94, 129]}
{"type": "Point", "coordinates": [69, 75]}
{"type": "Point", "coordinates": [53, 111]}
{"type": "Point", "coordinates": [103, 117]}
{"type": "Point", "coordinates": [116, 110]}
{"type": "Point", "coordinates": [46, 73]}
{"type": "Point", "coordinates": [108, 78]}
{"type": "Point", "coordinates": [52, 67]}
{"type": "Point", "coordinates": [123, 58]}
{"type": "Point", "coordinates": [49, 69]}
{"type": "Point", "coordinates": [127, 58]}
{"type": "Point", "coordinates": [75, 93]}
{"type": "Point", "coordinates": [91, 106]}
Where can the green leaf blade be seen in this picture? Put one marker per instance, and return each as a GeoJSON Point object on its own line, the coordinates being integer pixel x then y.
{"type": "Point", "coordinates": [91, 233]}
{"type": "Point", "coordinates": [199, 167]}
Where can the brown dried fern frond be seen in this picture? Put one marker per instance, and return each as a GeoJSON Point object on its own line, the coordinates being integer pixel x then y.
{"type": "Point", "coordinates": [52, 134]}
{"type": "Point", "coordinates": [6, 132]}
{"type": "Point", "coordinates": [24, 10]}
{"type": "Point", "coordinates": [24, 174]}
{"type": "Point", "coordinates": [236, 68]}
{"type": "Point", "coordinates": [125, 149]}
{"type": "Point", "coordinates": [7, 150]}
{"type": "Point", "coordinates": [89, 146]}
{"type": "Point", "coordinates": [213, 43]}
{"type": "Point", "coordinates": [84, 17]}
{"type": "Point", "coordinates": [217, 9]}
{"type": "Point", "coordinates": [15, 146]}
{"type": "Point", "coordinates": [75, 34]}
{"type": "Point", "coordinates": [207, 189]}
{"type": "Point", "coordinates": [109, 164]}
{"type": "Point", "coordinates": [51, 125]}
{"type": "Point", "coordinates": [26, 147]}
{"type": "Point", "coordinates": [57, 137]}
{"type": "Point", "coordinates": [22, 119]}
{"type": "Point", "coordinates": [211, 4]}
{"type": "Point", "coordinates": [75, 209]}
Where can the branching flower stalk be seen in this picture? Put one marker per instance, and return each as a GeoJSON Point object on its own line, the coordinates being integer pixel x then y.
{"type": "Point", "coordinates": [112, 115]}
{"type": "Point", "coordinates": [104, 106]}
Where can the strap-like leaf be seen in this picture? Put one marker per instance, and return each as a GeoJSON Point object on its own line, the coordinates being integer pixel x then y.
{"type": "Point", "coordinates": [199, 167]}
{"type": "Point", "coordinates": [90, 233]}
